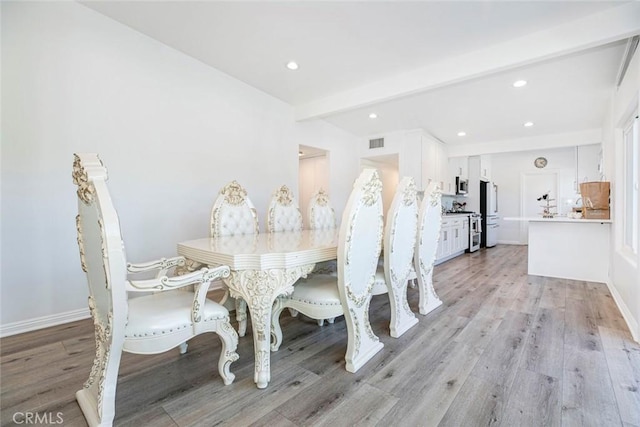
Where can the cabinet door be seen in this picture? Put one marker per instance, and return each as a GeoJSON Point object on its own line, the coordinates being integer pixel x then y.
{"type": "Point", "coordinates": [465, 234]}
{"type": "Point", "coordinates": [429, 162]}
{"type": "Point", "coordinates": [444, 245]}
{"type": "Point", "coordinates": [458, 166]}
{"type": "Point", "coordinates": [444, 177]}
{"type": "Point", "coordinates": [485, 166]}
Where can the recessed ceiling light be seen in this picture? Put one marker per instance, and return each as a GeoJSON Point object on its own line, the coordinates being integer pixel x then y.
{"type": "Point", "coordinates": [462, 133]}
{"type": "Point", "coordinates": [519, 83]}
{"type": "Point", "coordinates": [528, 124]}
{"type": "Point", "coordinates": [300, 153]}
{"type": "Point", "coordinates": [373, 116]}
{"type": "Point", "coordinates": [292, 65]}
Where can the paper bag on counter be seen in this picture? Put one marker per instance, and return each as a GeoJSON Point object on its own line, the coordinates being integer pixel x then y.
{"type": "Point", "coordinates": [595, 195]}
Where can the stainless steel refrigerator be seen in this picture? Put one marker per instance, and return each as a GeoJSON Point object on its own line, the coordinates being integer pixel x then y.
{"type": "Point", "coordinates": [489, 211]}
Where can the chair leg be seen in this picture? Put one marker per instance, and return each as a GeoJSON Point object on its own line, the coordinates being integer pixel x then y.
{"type": "Point", "coordinates": [97, 399]}
{"type": "Point", "coordinates": [241, 316]}
{"type": "Point", "coordinates": [229, 338]}
{"type": "Point", "coordinates": [183, 348]}
{"type": "Point", "coordinates": [276, 330]}
{"type": "Point", "coordinates": [331, 320]}
{"type": "Point", "coordinates": [429, 300]}
{"type": "Point", "coordinates": [320, 322]}
{"type": "Point", "coordinates": [293, 312]}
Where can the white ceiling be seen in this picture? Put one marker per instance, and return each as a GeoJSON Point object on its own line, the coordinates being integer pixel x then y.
{"type": "Point", "coordinates": [440, 66]}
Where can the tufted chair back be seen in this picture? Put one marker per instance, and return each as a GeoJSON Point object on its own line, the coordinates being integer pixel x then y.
{"type": "Point", "coordinates": [284, 213]}
{"type": "Point", "coordinates": [321, 214]}
{"type": "Point", "coordinates": [233, 213]}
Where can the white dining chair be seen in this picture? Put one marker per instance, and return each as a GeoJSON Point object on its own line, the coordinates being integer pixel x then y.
{"type": "Point", "coordinates": [233, 214]}
{"type": "Point", "coordinates": [321, 214]}
{"type": "Point", "coordinates": [400, 233]}
{"type": "Point", "coordinates": [429, 223]}
{"type": "Point", "coordinates": [324, 296]}
{"type": "Point", "coordinates": [283, 213]}
{"type": "Point", "coordinates": [151, 323]}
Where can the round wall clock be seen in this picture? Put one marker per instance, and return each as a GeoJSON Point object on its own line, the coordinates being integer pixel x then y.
{"type": "Point", "coordinates": [540, 162]}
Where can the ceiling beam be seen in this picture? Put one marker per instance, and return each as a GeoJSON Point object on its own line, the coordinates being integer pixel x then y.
{"type": "Point", "coordinates": [594, 30]}
{"type": "Point", "coordinates": [540, 142]}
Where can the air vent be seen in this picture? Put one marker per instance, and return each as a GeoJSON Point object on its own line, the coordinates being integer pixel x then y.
{"type": "Point", "coordinates": [376, 143]}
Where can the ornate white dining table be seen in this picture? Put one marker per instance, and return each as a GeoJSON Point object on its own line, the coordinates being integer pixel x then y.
{"type": "Point", "coordinates": [263, 266]}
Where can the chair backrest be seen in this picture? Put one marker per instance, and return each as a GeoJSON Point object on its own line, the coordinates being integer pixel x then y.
{"type": "Point", "coordinates": [102, 254]}
{"type": "Point", "coordinates": [400, 233]}
{"type": "Point", "coordinates": [321, 214]}
{"type": "Point", "coordinates": [233, 213]}
{"type": "Point", "coordinates": [429, 223]}
{"type": "Point", "coordinates": [283, 213]}
{"type": "Point", "coordinates": [360, 239]}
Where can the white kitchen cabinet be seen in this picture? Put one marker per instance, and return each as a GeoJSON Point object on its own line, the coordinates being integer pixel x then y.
{"type": "Point", "coordinates": [485, 167]}
{"type": "Point", "coordinates": [459, 166]}
{"type": "Point", "coordinates": [429, 162]}
{"type": "Point", "coordinates": [454, 237]}
{"type": "Point", "coordinates": [435, 165]}
{"type": "Point", "coordinates": [465, 233]}
{"type": "Point", "coordinates": [445, 244]}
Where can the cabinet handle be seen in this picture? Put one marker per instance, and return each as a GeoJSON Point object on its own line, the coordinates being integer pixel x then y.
{"type": "Point", "coordinates": [456, 233]}
{"type": "Point", "coordinates": [460, 169]}
{"type": "Point", "coordinates": [445, 236]}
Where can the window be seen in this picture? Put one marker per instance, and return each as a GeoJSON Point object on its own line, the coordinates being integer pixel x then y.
{"type": "Point", "coordinates": [631, 153]}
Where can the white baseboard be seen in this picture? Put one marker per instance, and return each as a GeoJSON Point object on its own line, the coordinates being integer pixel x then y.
{"type": "Point", "coordinates": [511, 242]}
{"type": "Point", "coordinates": [632, 323]}
{"type": "Point", "coordinates": [43, 322]}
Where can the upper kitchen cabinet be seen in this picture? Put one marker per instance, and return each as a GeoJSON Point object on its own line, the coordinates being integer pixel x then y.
{"type": "Point", "coordinates": [435, 164]}
{"type": "Point", "coordinates": [485, 167]}
{"type": "Point", "coordinates": [459, 166]}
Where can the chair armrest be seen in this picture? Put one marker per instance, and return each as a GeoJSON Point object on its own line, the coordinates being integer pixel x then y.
{"type": "Point", "coordinates": [204, 277]}
{"type": "Point", "coordinates": [162, 264]}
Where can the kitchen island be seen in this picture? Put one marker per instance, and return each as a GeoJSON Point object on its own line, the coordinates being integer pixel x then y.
{"type": "Point", "coordinates": [568, 248]}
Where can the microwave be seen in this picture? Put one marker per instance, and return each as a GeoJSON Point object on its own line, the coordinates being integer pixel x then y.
{"type": "Point", "coordinates": [462, 185]}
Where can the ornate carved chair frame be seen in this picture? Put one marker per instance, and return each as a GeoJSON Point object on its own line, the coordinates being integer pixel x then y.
{"type": "Point", "coordinates": [325, 296]}
{"type": "Point", "coordinates": [429, 224]}
{"type": "Point", "coordinates": [154, 323]}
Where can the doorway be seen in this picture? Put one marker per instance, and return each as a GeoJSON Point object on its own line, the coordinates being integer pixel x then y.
{"type": "Point", "coordinates": [387, 167]}
{"type": "Point", "coordinates": [313, 174]}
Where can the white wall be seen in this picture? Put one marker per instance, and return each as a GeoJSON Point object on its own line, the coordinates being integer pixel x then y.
{"type": "Point", "coordinates": [171, 131]}
{"type": "Point", "coordinates": [625, 274]}
{"type": "Point", "coordinates": [507, 172]}
{"type": "Point", "coordinates": [312, 176]}
{"type": "Point", "coordinates": [388, 172]}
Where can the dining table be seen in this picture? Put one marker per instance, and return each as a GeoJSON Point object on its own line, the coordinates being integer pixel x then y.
{"type": "Point", "coordinates": [263, 266]}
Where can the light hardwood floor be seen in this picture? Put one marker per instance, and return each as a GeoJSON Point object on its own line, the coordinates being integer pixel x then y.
{"type": "Point", "coordinates": [504, 349]}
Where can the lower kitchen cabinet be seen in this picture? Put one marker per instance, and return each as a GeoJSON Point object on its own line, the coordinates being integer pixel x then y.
{"type": "Point", "coordinates": [454, 237]}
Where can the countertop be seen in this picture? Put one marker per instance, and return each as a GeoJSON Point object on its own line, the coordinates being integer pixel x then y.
{"type": "Point", "coordinates": [558, 219]}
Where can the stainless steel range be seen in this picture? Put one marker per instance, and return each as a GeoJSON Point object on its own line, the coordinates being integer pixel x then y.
{"type": "Point", "coordinates": [475, 232]}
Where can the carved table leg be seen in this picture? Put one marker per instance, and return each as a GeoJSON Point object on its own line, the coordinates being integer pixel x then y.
{"type": "Point", "coordinates": [259, 288]}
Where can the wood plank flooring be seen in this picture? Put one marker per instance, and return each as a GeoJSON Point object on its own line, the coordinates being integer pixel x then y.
{"type": "Point", "coordinates": [505, 349]}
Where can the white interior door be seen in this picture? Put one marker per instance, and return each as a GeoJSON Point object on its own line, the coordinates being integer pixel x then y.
{"type": "Point", "coordinates": [535, 185]}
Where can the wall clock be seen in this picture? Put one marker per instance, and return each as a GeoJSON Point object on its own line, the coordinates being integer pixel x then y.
{"type": "Point", "coordinates": [540, 162]}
